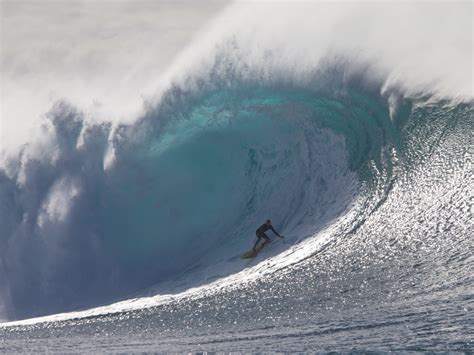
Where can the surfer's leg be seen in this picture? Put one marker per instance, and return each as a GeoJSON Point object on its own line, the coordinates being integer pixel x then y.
{"type": "Point", "coordinates": [256, 243]}
{"type": "Point", "coordinates": [266, 240]}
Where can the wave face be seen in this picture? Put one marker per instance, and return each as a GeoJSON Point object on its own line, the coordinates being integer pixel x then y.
{"type": "Point", "coordinates": [188, 185]}
{"type": "Point", "coordinates": [391, 194]}
{"type": "Point", "coordinates": [371, 184]}
{"type": "Point", "coordinates": [188, 192]}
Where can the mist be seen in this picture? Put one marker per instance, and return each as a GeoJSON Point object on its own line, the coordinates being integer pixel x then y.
{"type": "Point", "coordinates": [104, 57]}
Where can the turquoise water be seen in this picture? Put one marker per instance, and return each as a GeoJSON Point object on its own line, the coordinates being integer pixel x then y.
{"type": "Point", "coordinates": [384, 181]}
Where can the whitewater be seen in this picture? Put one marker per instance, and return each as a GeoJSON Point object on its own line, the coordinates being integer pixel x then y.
{"type": "Point", "coordinates": [349, 125]}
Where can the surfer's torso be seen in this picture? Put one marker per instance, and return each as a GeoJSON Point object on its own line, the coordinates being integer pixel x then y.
{"type": "Point", "coordinates": [263, 228]}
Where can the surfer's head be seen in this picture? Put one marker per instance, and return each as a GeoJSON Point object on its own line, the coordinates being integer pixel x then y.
{"type": "Point", "coordinates": [268, 222]}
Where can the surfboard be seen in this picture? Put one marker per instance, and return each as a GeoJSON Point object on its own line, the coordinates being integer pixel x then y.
{"type": "Point", "coordinates": [249, 254]}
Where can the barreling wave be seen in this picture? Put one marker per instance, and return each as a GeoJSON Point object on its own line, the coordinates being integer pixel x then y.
{"type": "Point", "coordinates": [93, 213]}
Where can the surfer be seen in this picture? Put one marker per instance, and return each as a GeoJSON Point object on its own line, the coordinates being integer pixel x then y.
{"type": "Point", "coordinates": [260, 233]}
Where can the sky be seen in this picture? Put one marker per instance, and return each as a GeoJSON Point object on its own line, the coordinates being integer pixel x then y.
{"type": "Point", "coordinates": [102, 56]}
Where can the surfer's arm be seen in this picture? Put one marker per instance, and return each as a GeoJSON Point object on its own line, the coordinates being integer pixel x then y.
{"type": "Point", "coordinates": [274, 231]}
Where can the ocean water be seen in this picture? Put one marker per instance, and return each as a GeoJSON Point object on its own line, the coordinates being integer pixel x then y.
{"type": "Point", "coordinates": [127, 237]}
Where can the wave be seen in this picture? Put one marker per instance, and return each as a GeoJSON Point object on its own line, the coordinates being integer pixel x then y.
{"type": "Point", "coordinates": [92, 213]}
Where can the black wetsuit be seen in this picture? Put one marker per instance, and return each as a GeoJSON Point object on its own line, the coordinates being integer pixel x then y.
{"type": "Point", "coordinates": [260, 232]}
